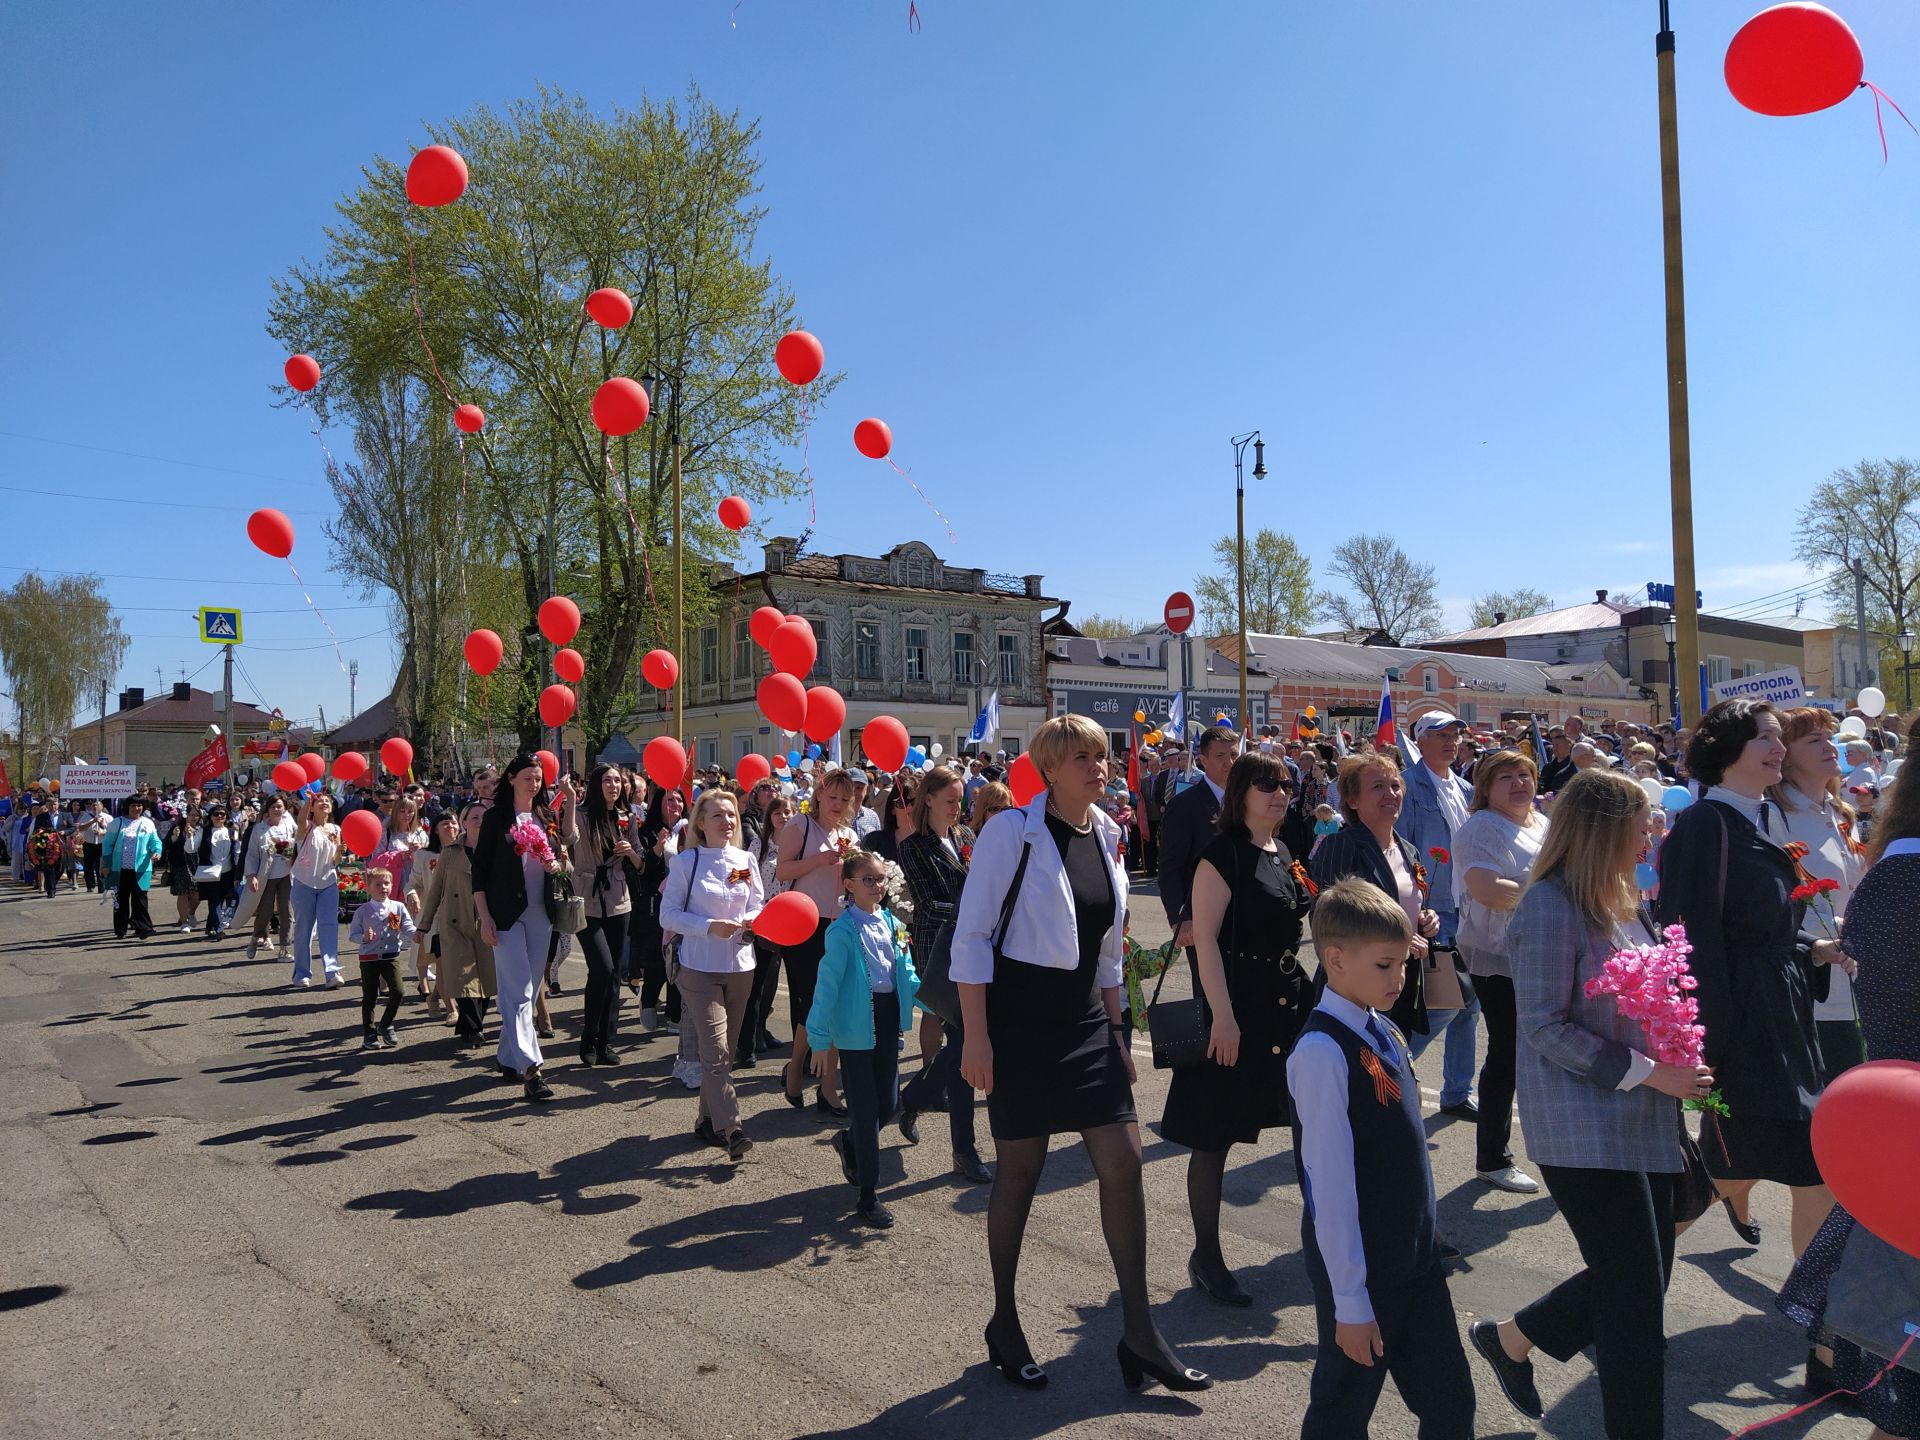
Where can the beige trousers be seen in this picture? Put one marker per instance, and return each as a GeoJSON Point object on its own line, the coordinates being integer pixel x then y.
{"type": "Point", "coordinates": [715, 1006]}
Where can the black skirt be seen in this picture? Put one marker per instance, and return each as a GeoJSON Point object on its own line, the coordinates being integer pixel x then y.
{"type": "Point", "coordinates": [1211, 1106]}
{"type": "Point", "coordinates": [1759, 1147]}
{"type": "Point", "coordinates": [1057, 1065]}
{"type": "Point", "coordinates": [803, 972]}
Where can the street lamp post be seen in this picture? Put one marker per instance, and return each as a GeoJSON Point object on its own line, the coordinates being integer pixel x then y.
{"type": "Point", "coordinates": [1905, 641]}
{"type": "Point", "coordinates": [1239, 443]}
{"type": "Point", "coordinates": [1679, 438]}
{"type": "Point", "coordinates": [1673, 678]}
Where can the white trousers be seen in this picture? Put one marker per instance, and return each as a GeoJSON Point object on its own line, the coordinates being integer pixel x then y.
{"type": "Point", "coordinates": [519, 967]}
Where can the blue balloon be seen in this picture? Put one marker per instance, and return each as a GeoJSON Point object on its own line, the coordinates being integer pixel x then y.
{"type": "Point", "coordinates": [793, 757]}
{"type": "Point", "coordinates": [1673, 800]}
{"type": "Point", "coordinates": [813, 752]}
{"type": "Point", "coordinates": [916, 756]}
{"type": "Point", "coordinates": [1645, 876]}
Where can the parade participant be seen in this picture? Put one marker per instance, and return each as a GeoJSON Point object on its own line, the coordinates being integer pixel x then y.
{"type": "Point", "coordinates": [1602, 1117]}
{"type": "Point", "coordinates": [512, 858]}
{"type": "Point", "coordinates": [213, 851]}
{"type": "Point", "coordinates": [710, 900]}
{"type": "Point", "coordinates": [1187, 827]}
{"type": "Point", "coordinates": [862, 1005]}
{"type": "Point", "coordinates": [865, 820]}
{"type": "Point", "coordinates": [464, 968]}
{"type": "Point", "coordinates": [1557, 771]}
{"type": "Point", "coordinates": [988, 801]}
{"type": "Point", "coordinates": [1248, 906]}
{"type": "Point", "coordinates": [130, 846]}
{"type": "Point", "coordinates": [314, 886]}
{"type": "Point", "coordinates": [656, 844]}
{"type": "Point", "coordinates": [811, 849]}
{"type": "Point", "coordinates": [381, 926]}
{"type": "Point", "coordinates": [268, 868]}
{"type": "Point", "coordinates": [178, 849]}
{"type": "Point", "coordinates": [601, 851]}
{"type": "Point", "coordinates": [884, 840]}
{"type": "Point", "coordinates": [90, 829]}
{"type": "Point", "coordinates": [764, 846]}
{"type": "Point", "coordinates": [47, 851]}
{"type": "Point", "coordinates": [1037, 954]}
{"type": "Point", "coordinates": [1380, 1295]}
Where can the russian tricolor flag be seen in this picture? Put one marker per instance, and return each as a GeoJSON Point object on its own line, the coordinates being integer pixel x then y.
{"type": "Point", "coordinates": [1384, 733]}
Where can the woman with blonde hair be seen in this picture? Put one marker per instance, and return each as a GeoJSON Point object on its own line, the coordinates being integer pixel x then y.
{"type": "Point", "coordinates": [988, 801]}
{"type": "Point", "coordinates": [1037, 958]}
{"type": "Point", "coordinates": [811, 849]}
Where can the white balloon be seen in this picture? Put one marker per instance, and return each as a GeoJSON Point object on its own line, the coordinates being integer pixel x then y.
{"type": "Point", "coordinates": [938, 750]}
{"type": "Point", "coordinates": [806, 767]}
{"type": "Point", "coordinates": [1853, 728]}
{"type": "Point", "coordinates": [1893, 767]}
{"type": "Point", "coordinates": [1873, 702]}
{"type": "Point", "coordinates": [925, 765]}
{"type": "Point", "coordinates": [1656, 789]}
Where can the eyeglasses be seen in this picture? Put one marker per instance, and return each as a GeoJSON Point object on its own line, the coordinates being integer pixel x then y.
{"type": "Point", "coordinates": [1267, 784]}
{"type": "Point", "coordinates": [871, 879]}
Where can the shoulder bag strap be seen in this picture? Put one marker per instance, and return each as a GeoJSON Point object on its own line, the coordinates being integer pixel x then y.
{"type": "Point", "coordinates": [1013, 894]}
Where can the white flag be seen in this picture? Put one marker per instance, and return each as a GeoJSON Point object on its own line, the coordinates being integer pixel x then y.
{"type": "Point", "coordinates": [986, 725]}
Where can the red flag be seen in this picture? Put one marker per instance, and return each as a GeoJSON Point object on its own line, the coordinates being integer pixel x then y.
{"type": "Point", "coordinates": [209, 764]}
{"type": "Point", "coordinates": [6, 786]}
{"type": "Point", "coordinates": [1384, 733]}
{"type": "Point", "coordinates": [1133, 782]}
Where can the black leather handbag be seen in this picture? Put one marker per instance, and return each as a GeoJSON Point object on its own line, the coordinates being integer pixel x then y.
{"type": "Point", "coordinates": [1177, 1029]}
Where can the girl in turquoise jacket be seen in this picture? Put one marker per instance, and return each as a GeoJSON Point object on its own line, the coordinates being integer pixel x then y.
{"type": "Point", "coordinates": [862, 1004]}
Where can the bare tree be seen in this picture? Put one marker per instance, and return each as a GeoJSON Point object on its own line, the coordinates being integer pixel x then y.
{"type": "Point", "coordinates": [1389, 592]}
{"type": "Point", "coordinates": [1870, 513]}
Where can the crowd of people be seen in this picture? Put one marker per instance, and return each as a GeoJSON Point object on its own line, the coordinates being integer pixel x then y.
{"type": "Point", "coordinates": [1342, 906]}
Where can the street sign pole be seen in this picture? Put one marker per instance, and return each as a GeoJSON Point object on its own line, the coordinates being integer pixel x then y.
{"type": "Point", "coordinates": [226, 715]}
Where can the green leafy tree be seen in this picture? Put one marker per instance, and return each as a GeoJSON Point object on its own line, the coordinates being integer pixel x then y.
{"type": "Point", "coordinates": [58, 640]}
{"type": "Point", "coordinates": [1513, 604]}
{"type": "Point", "coordinates": [1869, 513]}
{"type": "Point", "coordinates": [1388, 592]}
{"type": "Point", "coordinates": [1279, 587]}
{"type": "Point", "coordinates": [1108, 627]}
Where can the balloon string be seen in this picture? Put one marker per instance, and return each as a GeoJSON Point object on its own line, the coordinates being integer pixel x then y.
{"type": "Point", "coordinates": [1878, 96]}
{"type": "Point", "coordinates": [923, 498]}
{"type": "Point", "coordinates": [1912, 1335]}
{"type": "Point", "coordinates": [420, 320]}
{"type": "Point", "coordinates": [806, 457]}
{"type": "Point", "coordinates": [913, 18]}
{"type": "Point", "coordinates": [639, 539]}
{"type": "Point", "coordinates": [486, 704]}
{"type": "Point", "coordinates": [318, 616]}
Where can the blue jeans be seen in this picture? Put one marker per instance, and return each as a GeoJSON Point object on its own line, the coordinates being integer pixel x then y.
{"type": "Point", "coordinates": [1457, 1063]}
{"type": "Point", "coordinates": [313, 908]}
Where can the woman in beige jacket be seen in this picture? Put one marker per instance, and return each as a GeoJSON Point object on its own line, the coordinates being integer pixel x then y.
{"type": "Point", "coordinates": [465, 973]}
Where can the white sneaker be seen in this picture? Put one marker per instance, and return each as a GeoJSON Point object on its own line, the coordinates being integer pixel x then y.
{"type": "Point", "coordinates": [187, 929]}
{"type": "Point", "coordinates": [1511, 1178]}
{"type": "Point", "coordinates": [333, 980]}
{"type": "Point", "coordinates": [688, 1073]}
{"type": "Point", "coordinates": [305, 982]}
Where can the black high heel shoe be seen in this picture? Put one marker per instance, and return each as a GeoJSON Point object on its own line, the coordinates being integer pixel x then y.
{"type": "Point", "coordinates": [1748, 1230]}
{"type": "Point", "coordinates": [1136, 1370]}
{"type": "Point", "coordinates": [1023, 1373]}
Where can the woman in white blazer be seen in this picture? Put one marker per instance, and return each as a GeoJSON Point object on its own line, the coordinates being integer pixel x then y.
{"type": "Point", "coordinates": [1037, 951]}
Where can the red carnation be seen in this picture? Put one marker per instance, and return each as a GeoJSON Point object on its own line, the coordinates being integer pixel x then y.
{"type": "Point", "coordinates": [1440, 855]}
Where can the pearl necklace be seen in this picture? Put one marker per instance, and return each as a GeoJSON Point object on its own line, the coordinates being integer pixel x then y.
{"type": "Point", "coordinates": [1086, 829]}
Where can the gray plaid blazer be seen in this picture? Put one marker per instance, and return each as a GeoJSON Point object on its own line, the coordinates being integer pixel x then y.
{"type": "Point", "coordinates": [1574, 1051]}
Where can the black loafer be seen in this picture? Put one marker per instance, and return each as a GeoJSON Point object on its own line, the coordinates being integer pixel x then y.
{"type": "Point", "coordinates": [824, 1110]}
{"type": "Point", "coordinates": [1468, 1109]}
{"type": "Point", "coordinates": [604, 1055]}
{"type": "Point", "coordinates": [1515, 1376]}
{"type": "Point", "coordinates": [968, 1166]}
{"type": "Point", "coordinates": [910, 1125]}
{"type": "Point", "coordinates": [1748, 1229]}
{"type": "Point", "coordinates": [1222, 1287]}
{"type": "Point", "coordinates": [538, 1089]}
{"type": "Point", "coordinates": [874, 1215]}
{"type": "Point", "coordinates": [704, 1132]}
{"type": "Point", "coordinates": [1449, 1251]}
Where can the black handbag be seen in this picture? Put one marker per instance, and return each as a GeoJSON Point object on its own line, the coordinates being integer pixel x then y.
{"type": "Point", "coordinates": [1181, 1030]}
{"type": "Point", "coordinates": [938, 992]}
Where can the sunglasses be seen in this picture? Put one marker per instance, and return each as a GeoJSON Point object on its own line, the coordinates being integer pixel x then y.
{"type": "Point", "coordinates": [1267, 784]}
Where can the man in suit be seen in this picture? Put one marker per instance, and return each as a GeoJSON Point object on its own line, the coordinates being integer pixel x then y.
{"type": "Point", "coordinates": [1435, 807]}
{"type": "Point", "coordinates": [1187, 824]}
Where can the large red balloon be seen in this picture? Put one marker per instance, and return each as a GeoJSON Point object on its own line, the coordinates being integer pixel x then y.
{"type": "Point", "coordinates": [1024, 779]}
{"type": "Point", "coordinates": [788, 919]}
{"type": "Point", "coordinates": [350, 766]}
{"type": "Point", "coordinates": [397, 755]}
{"type": "Point", "coordinates": [799, 356]}
{"type": "Point", "coordinates": [1794, 59]}
{"type": "Point", "coordinates": [873, 439]}
{"type": "Point", "coordinates": [762, 623]}
{"type": "Point", "coordinates": [734, 513]}
{"type": "Point", "coordinates": [826, 713]}
{"type": "Point", "coordinates": [559, 619]}
{"type": "Point", "coordinates": [610, 307]}
{"type": "Point", "coordinates": [290, 775]}
{"type": "Point", "coordinates": [556, 706]}
{"type": "Point", "coordinates": [272, 531]}
{"type": "Point", "coordinates": [885, 741]}
{"type": "Point", "coordinates": [471, 419]}
{"type": "Point", "coordinates": [1866, 1136]}
{"type": "Point", "coordinates": [549, 765]}
{"type": "Point", "coordinates": [620, 406]}
{"type": "Point", "coordinates": [436, 176]}
{"type": "Point", "coordinates": [303, 372]}
{"type": "Point", "coordinates": [793, 647]}
{"type": "Point", "coordinates": [783, 700]}
{"type": "Point", "coordinates": [483, 651]}
{"type": "Point", "coordinates": [751, 770]}
{"type": "Point", "coordinates": [659, 669]}
{"type": "Point", "coordinates": [665, 761]}
{"type": "Point", "coordinates": [314, 764]}
{"type": "Point", "coordinates": [570, 666]}
{"type": "Point", "coordinates": [360, 832]}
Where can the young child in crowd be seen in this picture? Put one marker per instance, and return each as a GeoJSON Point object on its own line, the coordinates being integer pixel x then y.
{"type": "Point", "coordinates": [1379, 1287]}
{"type": "Point", "coordinates": [381, 927]}
{"type": "Point", "coordinates": [1326, 821]}
{"type": "Point", "coordinates": [862, 1004]}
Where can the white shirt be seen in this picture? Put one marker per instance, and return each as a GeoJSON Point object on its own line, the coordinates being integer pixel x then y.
{"type": "Point", "coordinates": [262, 861]}
{"type": "Point", "coordinates": [381, 928]}
{"type": "Point", "coordinates": [314, 866]}
{"type": "Point", "coordinates": [704, 885]}
{"type": "Point", "coordinates": [130, 833]}
{"type": "Point", "coordinates": [1813, 822]}
{"type": "Point", "coordinates": [1449, 787]}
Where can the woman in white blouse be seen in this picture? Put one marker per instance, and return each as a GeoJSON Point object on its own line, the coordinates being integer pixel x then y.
{"type": "Point", "coordinates": [315, 885]}
{"type": "Point", "coordinates": [1492, 855]}
{"type": "Point", "coordinates": [711, 898]}
{"type": "Point", "coordinates": [269, 865]}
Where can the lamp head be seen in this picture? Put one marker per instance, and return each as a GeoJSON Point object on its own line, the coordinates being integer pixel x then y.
{"type": "Point", "coordinates": [1259, 458]}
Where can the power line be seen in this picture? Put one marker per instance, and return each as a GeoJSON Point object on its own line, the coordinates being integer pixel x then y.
{"type": "Point", "coordinates": [171, 579]}
{"type": "Point", "coordinates": [157, 459]}
{"type": "Point", "coordinates": [163, 504]}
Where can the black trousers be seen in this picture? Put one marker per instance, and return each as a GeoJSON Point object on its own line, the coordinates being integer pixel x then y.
{"type": "Point", "coordinates": [50, 878]}
{"type": "Point", "coordinates": [130, 907]}
{"type": "Point", "coordinates": [374, 976]}
{"type": "Point", "coordinates": [1493, 1143]}
{"type": "Point", "coordinates": [647, 960]}
{"type": "Point", "coordinates": [603, 942]}
{"type": "Point", "coordinates": [766, 989]}
{"type": "Point", "coordinates": [870, 1080]}
{"type": "Point", "coordinates": [942, 1078]}
{"type": "Point", "coordinates": [472, 1012]}
{"type": "Point", "coordinates": [1623, 1222]}
{"type": "Point", "coordinates": [90, 863]}
{"type": "Point", "coordinates": [1423, 1354]}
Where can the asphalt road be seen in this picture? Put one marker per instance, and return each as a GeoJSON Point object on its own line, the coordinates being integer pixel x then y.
{"type": "Point", "coordinates": [223, 1220]}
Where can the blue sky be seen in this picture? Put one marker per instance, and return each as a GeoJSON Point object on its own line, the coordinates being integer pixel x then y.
{"type": "Point", "coordinates": [1066, 249]}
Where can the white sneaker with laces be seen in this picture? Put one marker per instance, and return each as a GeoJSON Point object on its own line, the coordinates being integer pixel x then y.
{"type": "Point", "coordinates": [688, 1073]}
{"type": "Point", "coordinates": [1510, 1178]}
{"type": "Point", "coordinates": [333, 980]}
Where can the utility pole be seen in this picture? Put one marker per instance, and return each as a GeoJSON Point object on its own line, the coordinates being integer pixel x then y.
{"type": "Point", "coordinates": [100, 749]}
{"type": "Point", "coordinates": [1869, 671]}
{"type": "Point", "coordinates": [550, 545]}
{"type": "Point", "coordinates": [353, 689]}
{"type": "Point", "coordinates": [1239, 443]}
{"type": "Point", "coordinates": [226, 717]}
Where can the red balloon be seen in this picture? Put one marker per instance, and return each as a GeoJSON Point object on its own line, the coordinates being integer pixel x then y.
{"type": "Point", "coordinates": [799, 356]}
{"type": "Point", "coordinates": [826, 713]}
{"type": "Point", "coordinates": [783, 700]}
{"type": "Point", "coordinates": [734, 513]}
{"type": "Point", "coordinates": [397, 755]}
{"type": "Point", "coordinates": [556, 706]}
{"type": "Point", "coordinates": [470, 418]}
{"type": "Point", "coordinates": [620, 406]}
{"type": "Point", "coordinates": [559, 619]}
{"type": "Point", "coordinates": [549, 765]}
{"type": "Point", "coordinates": [272, 531]}
{"type": "Point", "coordinates": [665, 762]}
{"type": "Point", "coordinates": [350, 766]}
{"type": "Point", "coordinates": [314, 764]}
{"type": "Point", "coordinates": [303, 372]}
{"type": "Point", "coordinates": [290, 775]}
{"type": "Point", "coordinates": [1024, 779]}
{"type": "Point", "coordinates": [360, 832]}
{"type": "Point", "coordinates": [436, 176]}
{"type": "Point", "coordinates": [885, 741]}
{"type": "Point", "coordinates": [483, 651]}
{"type": "Point", "coordinates": [659, 669]}
{"type": "Point", "coordinates": [793, 647]}
{"type": "Point", "coordinates": [1866, 1137]}
{"type": "Point", "coordinates": [751, 770]}
{"type": "Point", "coordinates": [788, 919]}
{"type": "Point", "coordinates": [610, 307]}
{"type": "Point", "coordinates": [1793, 60]}
{"type": "Point", "coordinates": [762, 623]}
{"type": "Point", "coordinates": [570, 666]}
{"type": "Point", "coordinates": [873, 439]}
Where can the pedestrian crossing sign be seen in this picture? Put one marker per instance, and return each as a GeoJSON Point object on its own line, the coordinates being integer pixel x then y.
{"type": "Point", "coordinates": [219, 627]}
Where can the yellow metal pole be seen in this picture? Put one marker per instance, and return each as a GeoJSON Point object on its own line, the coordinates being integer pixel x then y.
{"type": "Point", "coordinates": [1240, 543]}
{"type": "Point", "coordinates": [679, 613]}
{"type": "Point", "coordinates": [1679, 443]}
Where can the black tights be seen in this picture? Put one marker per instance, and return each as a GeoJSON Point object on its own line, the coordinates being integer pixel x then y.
{"type": "Point", "coordinates": [1206, 1169]}
{"type": "Point", "coordinates": [373, 975]}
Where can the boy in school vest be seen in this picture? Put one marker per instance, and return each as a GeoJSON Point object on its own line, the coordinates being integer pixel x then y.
{"type": "Point", "coordinates": [1379, 1287]}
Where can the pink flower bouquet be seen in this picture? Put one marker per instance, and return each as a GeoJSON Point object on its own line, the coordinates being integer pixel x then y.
{"type": "Point", "coordinates": [1653, 985]}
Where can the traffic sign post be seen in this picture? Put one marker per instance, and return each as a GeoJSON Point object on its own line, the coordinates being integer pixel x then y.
{"type": "Point", "coordinates": [1178, 613]}
{"type": "Point", "coordinates": [219, 626]}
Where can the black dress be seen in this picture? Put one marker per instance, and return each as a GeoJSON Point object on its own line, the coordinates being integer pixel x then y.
{"type": "Point", "coordinates": [1211, 1106]}
{"type": "Point", "coordinates": [1056, 1064]}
